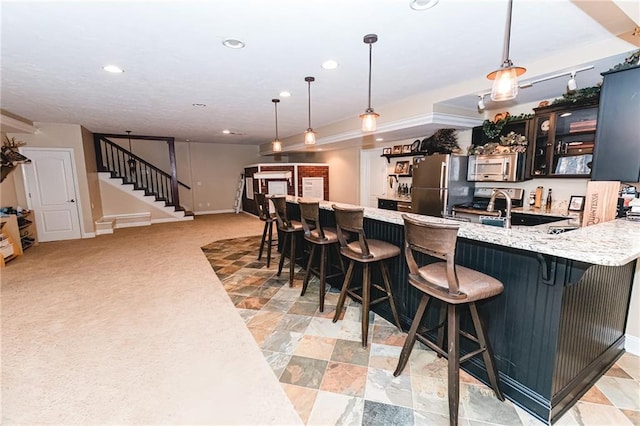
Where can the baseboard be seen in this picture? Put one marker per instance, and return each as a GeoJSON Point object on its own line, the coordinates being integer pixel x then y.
{"type": "Point", "coordinates": [632, 344]}
{"type": "Point", "coordinates": [89, 235]}
{"type": "Point", "coordinates": [171, 219]}
{"type": "Point", "coordinates": [214, 212]}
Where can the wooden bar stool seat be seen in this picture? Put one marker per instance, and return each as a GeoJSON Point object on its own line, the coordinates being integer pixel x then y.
{"type": "Point", "coordinates": [265, 215]}
{"type": "Point", "coordinates": [318, 236]}
{"type": "Point", "coordinates": [456, 287]}
{"type": "Point", "coordinates": [290, 228]}
{"type": "Point", "coordinates": [364, 251]}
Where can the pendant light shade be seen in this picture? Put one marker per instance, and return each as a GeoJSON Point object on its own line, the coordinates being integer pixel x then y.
{"type": "Point", "coordinates": [276, 145]}
{"type": "Point", "coordinates": [309, 135]}
{"type": "Point", "coordinates": [505, 79]}
{"type": "Point", "coordinates": [369, 117]}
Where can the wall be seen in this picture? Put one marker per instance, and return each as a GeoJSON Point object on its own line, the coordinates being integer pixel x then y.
{"type": "Point", "coordinates": [50, 135]}
{"type": "Point", "coordinates": [344, 174]}
{"type": "Point", "coordinates": [215, 172]}
{"type": "Point", "coordinates": [91, 169]}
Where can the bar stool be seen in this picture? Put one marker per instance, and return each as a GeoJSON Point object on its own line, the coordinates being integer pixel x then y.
{"type": "Point", "coordinates": [365, 252]}
{"type": "Point", "coordinates": [321, 237]}
{"type": "Point", "coordinates": [262, 203]}
{"type": "Point", "coordinates": [454, 286]}
{"type": "Point", "coordinates": [290, 228]}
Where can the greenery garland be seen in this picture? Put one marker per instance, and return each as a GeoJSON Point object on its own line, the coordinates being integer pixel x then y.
{"type": "Point", "coordinates": [492, 129]}
{"type": "Point", "coordinates": [579, 95]}
{"type": "Point", "coordinates": [631, 61]}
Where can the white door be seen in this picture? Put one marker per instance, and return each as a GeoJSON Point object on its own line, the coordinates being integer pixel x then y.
{"type": "Point", "coordinates": [373, 178]}
{"type": "Point", "coordinates": [50, 186]}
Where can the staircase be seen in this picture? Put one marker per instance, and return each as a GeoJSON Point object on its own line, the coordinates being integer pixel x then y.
{"type": "Point", "coordinates": [149, 184]}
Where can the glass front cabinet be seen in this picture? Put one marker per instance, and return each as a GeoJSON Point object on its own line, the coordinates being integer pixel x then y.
{"type": "Point", "coordinates": [563, 140]}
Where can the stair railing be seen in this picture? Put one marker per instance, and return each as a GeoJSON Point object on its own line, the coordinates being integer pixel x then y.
{"type": "Point", "coordinates": [132, 169]}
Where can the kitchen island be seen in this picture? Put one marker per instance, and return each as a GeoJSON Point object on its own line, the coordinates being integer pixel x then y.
{"type": "Point", "coordinates": [558, 325]}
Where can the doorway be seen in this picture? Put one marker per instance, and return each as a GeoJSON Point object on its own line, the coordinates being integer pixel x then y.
{"type": "Point", "coordinates": [373, 177]}
{"type": "Point", "coordinates": [50, 185]}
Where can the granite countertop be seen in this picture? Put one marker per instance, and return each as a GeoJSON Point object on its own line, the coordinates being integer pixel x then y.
{"type": "Point", "coordinates": [613, 243]}
{"type": "Point", "coordinates": [395, 198]}
{"type": "Point", "coordinates": [544, 212]}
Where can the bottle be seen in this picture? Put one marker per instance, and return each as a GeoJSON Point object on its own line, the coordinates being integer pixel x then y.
{"type": "Point", "coordinates": [538, 200]}
{"type": "Point", "coordinates": [548, 205]}
{"type": "Point", "coordinates": [532, 198]}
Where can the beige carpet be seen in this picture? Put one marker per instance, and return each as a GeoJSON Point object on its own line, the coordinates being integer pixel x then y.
{"type": "Point", "coordinates": [132, 328]}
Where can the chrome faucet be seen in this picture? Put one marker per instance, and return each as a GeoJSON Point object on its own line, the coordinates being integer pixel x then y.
{"type": "Point", "coordinates": [492, 203]}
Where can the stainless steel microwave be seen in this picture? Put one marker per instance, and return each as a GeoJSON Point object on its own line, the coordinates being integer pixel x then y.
{"type": "Point", "coordinates": [496, 168]}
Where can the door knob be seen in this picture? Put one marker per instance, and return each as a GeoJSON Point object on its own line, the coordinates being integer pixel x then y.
{"type": "Point", "coordinates": [72, 201]}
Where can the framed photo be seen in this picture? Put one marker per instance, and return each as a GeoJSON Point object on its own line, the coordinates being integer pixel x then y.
{"type": "Point", "coordinates": [415, 146]}
{"type": "Point", "coordinates": [402, 168]}
{"type": "Point", "coordinates": [386, 151]}
{"type": "Point", "coordinates": [576, 203]}
{"type": "Point", "coordinates": [406, 148]}
{"type": "Point", "coordinates": [397, 149]}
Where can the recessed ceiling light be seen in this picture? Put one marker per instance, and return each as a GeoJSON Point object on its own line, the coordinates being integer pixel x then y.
{"type": "Point", "coordinates": [113, 69]}
{"type": "Point", "coordinates": [232, 43]}
{"type": "Point", "coordinates": [330, 64]}
{"type": "Point", "coordinates": [422, 4]}
{"type": "Point", "coordinates": [285, 94]}
{"type": "Point", "coordinates": [226, 131]}
{"type": "Point", "coordinates": [199, 105]}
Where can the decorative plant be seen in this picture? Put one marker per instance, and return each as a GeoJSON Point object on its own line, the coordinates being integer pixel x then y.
{"type": "Point", "coordinates": [492, 129]}
{"type": "Point", "coordinates": [631, 61]}
{"type": "Point", "coordinates": [511, 142]}
{"type": "Point", "coordinates": [579, 95]}
{"type": "Point", "coordinates": [443, 141]}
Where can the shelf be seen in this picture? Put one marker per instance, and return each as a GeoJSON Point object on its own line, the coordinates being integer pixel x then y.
{"type": "Point", "coordinates": [405, 154]}
{"type": "Point", "coordinates": [582, 132]}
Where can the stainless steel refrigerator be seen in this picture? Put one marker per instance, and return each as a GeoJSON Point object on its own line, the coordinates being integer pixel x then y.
{"type": "Point", "coordinates": [439, 183]}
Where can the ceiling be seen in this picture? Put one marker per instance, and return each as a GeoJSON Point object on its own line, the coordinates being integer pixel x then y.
{"type": "Point", "coordinates": [172, 53]}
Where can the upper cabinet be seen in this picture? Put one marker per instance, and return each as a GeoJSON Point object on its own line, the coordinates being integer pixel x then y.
{"type": "Point", "coordinates": [617, 152]}
{"type": "Point", "coordinates": [563, 140]}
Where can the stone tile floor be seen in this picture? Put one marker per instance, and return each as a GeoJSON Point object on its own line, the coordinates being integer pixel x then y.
{"type": "Point", "coordinates": [331, 379]}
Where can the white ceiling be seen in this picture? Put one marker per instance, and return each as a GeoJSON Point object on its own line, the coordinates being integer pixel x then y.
{"type": "Point", "coordinates": [53, 53]}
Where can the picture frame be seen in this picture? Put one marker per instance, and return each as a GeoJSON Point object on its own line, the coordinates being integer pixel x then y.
{"type": "Point", "coordinates": [386, 151]}
{"type": "Point", "coordinates": [406, 149]}
{"type": "Point", "coordinates": [402, 168]}
{"type": "Point", "coordinates": [415, 146]}
{"type": "Point", "coordinates": [397, 149]}
{"type": "Point", "coordinates": [576, 203]}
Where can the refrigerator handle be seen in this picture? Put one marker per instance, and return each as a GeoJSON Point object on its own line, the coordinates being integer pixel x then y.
{"type": "Point", "coordinates": [443, 170]}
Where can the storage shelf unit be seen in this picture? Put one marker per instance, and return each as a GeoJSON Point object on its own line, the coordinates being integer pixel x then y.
{"type": "Point", "coordinates": [563, 141]}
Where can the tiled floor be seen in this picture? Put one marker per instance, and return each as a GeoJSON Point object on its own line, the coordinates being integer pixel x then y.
{"type": "Point", "coordinates": [331, 379]}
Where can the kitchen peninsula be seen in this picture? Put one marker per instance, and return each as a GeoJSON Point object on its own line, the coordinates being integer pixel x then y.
{"type": "Point", "coordinates": [559, 324]}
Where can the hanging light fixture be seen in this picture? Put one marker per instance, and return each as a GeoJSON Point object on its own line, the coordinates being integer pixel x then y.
{"type": "Point", "coordinates": [369, 117]}
{"type": "Point", "coordinates": [131, 162]}
{"type": "Point", "coordinates": [505, 79]}
{"type": "Point", "coordinates": [309, 135]}
{"type": "Point", "coordinates": [276, 145]}
{"type": "Point", "coordinates": [481, 105]}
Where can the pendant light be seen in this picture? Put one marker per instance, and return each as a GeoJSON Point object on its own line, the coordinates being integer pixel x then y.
{"type": "Point", "coordinates": [309, 135]}
{"type": "Point", "coordinates": [369, 117]}
{"type": "Point", "coordinates": [505, 79]}
{"type": "Point", "coordinates": [131, 162]}
{"type": "Point", "coordinates": [276, 145]}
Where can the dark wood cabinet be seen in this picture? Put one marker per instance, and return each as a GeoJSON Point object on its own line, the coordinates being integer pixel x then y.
{"type": "Point", "coordinates": [563, 140]}
{"type": "Point", "coordinates": [617, 151]}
